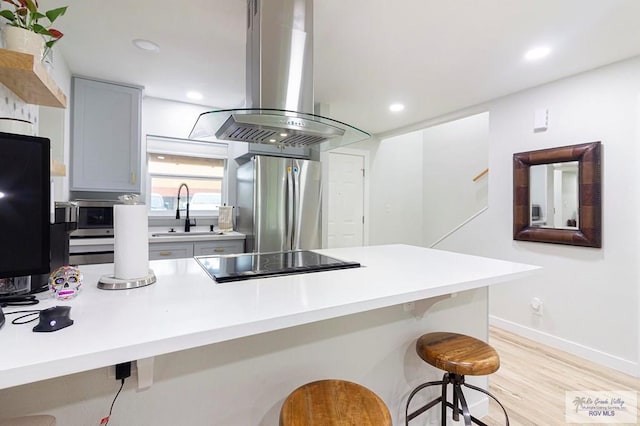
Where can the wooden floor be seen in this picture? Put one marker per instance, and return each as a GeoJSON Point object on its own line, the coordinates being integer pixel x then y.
{"type": "Point", "coordinates": [533, 378]}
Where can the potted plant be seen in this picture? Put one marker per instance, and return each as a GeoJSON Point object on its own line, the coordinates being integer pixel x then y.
{"type": "Point", "coordinates": [28, 29]}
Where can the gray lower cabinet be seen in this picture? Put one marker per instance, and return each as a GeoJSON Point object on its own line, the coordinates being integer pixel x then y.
{"type": "Point", "coordinates": [180, 250]}
{"type": "Point", "coordinates": [170, 250]}
{"type": "Point", "coordinates": [106, 137]}
{"type": "Point", "coordinates": [218, 247]}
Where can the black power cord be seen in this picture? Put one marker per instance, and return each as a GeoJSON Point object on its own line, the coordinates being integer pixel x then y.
{"type": "Point", "coordinates": [123, 370]}
{"type": "Point", "coordinates": [23, 300]}
{"type": "Point", "coordinates": [32, 315]}
{"type": "Point", "coordinates": [105, 421]}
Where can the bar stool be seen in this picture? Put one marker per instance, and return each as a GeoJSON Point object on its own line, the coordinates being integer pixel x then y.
{"type": "Point", "coordinates": [459, 356]}
{"type": "Point", "coordinates": [334, 403]}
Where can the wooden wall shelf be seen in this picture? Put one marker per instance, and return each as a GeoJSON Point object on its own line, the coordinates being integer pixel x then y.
{"type": "Point", "coordinates": [28, 79]}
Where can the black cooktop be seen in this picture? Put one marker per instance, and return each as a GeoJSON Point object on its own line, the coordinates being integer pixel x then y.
{"type": "Point", "coordinates": [260, 265]}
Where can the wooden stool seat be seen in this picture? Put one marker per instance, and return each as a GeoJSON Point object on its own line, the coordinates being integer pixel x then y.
{"type": "Point", "coordinates": [458, 354]}
{"type": "Point", "coordinates": [334, 403]}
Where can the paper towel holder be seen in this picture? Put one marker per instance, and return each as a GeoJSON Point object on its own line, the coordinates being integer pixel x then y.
{"type": "Point", "coordinates": [110, 282]}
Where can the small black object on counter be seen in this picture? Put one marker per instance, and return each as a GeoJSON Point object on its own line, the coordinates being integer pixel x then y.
{"type": "Point", "coordinates": [54, 319]}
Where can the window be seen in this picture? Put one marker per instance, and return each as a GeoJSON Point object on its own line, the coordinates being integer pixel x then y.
{"type": "Point", "coordinates": [170, 163]}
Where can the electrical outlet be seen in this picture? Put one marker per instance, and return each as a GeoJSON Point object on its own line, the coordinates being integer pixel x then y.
{"type": "Point", "coordinates": [537, 306]}
{"type": "Point", "coordinates": [123, 370]}
{"type": "Point", "coordinates": [111, 370]}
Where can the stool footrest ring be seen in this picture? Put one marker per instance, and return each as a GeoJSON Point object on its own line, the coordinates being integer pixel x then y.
{"type": "Point", "coordinates": [459, 401]}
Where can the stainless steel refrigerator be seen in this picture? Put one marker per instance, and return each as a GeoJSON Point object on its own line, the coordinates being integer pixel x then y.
{"type": "Point", "coordinates": [279, 204]}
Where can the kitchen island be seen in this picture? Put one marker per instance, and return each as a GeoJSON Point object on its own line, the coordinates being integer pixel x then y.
{"type": "Point", "coordinates": [228, 354]}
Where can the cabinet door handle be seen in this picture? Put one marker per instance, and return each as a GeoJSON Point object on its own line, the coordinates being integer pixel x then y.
{"type": "Point", "coordinates": [219, 250]}
{"type": "Point", "coordinates": [165, 253]}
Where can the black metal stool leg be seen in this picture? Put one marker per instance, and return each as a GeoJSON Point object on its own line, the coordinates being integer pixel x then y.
{"type": "Point", "coordinates": [426, 407]}
{"type": "Point", "coordinates": [463, 403]}
{"type": "Point", "coordinates": [443, 399]}
{"type": "Point", "coordinates": [454, 404]}
{"type": "Point", "coordinates": [493, 397]}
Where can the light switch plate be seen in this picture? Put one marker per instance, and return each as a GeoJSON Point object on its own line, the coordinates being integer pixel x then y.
{"type": "Point", "coordinates": [540, 120]}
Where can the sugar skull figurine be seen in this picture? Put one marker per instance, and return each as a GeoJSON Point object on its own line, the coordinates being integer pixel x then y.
{"type": "Point", "coordinates": [65, 282]}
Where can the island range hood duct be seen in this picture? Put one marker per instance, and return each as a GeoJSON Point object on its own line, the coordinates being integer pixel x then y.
{"type": "Point", "coordinates": [279, 85]}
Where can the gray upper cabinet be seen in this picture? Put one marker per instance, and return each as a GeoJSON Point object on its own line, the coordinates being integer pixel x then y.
{"type": "Point", "coordinates": [106, 136]}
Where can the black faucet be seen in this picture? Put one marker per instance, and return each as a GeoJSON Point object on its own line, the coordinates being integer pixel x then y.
{"type": "Point", "coordinates": [187, 222]}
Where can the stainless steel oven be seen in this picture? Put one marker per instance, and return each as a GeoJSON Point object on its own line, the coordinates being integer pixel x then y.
{"type": "Point", "coordinates": [95, 222]}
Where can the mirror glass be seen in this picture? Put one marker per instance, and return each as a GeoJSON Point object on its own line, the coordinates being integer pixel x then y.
{"type": "Point", "coordinates": [554, 195]}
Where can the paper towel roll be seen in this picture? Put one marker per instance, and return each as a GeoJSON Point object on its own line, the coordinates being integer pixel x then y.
{"type": "Point", "coordinates": [131, 241]}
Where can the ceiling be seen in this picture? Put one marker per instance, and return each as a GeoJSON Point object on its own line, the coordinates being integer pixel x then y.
{"type": "Point", "coordinates": [433, 56]}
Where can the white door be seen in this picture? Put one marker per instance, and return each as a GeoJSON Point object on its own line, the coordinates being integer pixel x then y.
{"type": "Point", "coordinates": [346, 201]}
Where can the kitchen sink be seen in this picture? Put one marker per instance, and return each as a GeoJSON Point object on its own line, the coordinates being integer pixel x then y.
{"type": "Point", "coordinates": [184, 234]}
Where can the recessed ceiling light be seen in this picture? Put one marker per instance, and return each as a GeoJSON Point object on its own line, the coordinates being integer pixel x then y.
{"type": "Point", "coordinates": [147, 45]}
{"type": "Point", "coordinates": [1, 194]}
{"type": "Point", "coordinates": [196, 96]}
{"type": "Point", "coordinates": [160, 157]}
{"type": "Point", "coordinates": [396, 107]}
{"type": "Point", "coordinates": [537, 53]}
{"type": "Point", "coordinates": [284, 135]}
{"type": "Point", "coordinates": [272, 140]}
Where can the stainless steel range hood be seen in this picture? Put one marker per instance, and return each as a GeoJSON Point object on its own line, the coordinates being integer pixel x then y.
{"type": "Point", "coordinates": [279, 85]}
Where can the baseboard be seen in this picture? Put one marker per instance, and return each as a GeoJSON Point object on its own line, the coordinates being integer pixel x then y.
{"type": "Point", "coordinates": [594, 355]}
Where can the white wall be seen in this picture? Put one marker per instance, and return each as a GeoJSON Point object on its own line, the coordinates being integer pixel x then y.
{"type": "Point", "coordinates": [453, 154]}
{"type": "Point", "coordinates": [591, 296]}
{"type": "Point", "coordinates": [162, 117]}
{"type": "Point", "coordinates": [422, 181]}
{"type": "Point", "coordinates": [55, 124]}
{"type": "Point", "coordinates": [396, 195]}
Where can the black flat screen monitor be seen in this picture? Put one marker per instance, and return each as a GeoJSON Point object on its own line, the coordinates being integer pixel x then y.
{"type": "Point", "coordinates": [25, 193]}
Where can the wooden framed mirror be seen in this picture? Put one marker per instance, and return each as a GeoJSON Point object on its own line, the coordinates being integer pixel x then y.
{"type": "Point", "coordinates": [557, 195]}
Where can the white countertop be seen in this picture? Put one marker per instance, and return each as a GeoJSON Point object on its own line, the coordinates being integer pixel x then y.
{"type": "Point", "coordinates": [194, 236]}
{"type": "Point", "coordinates": [177, 238]}
{"type": "Point", "coordinates": [186, 309]}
